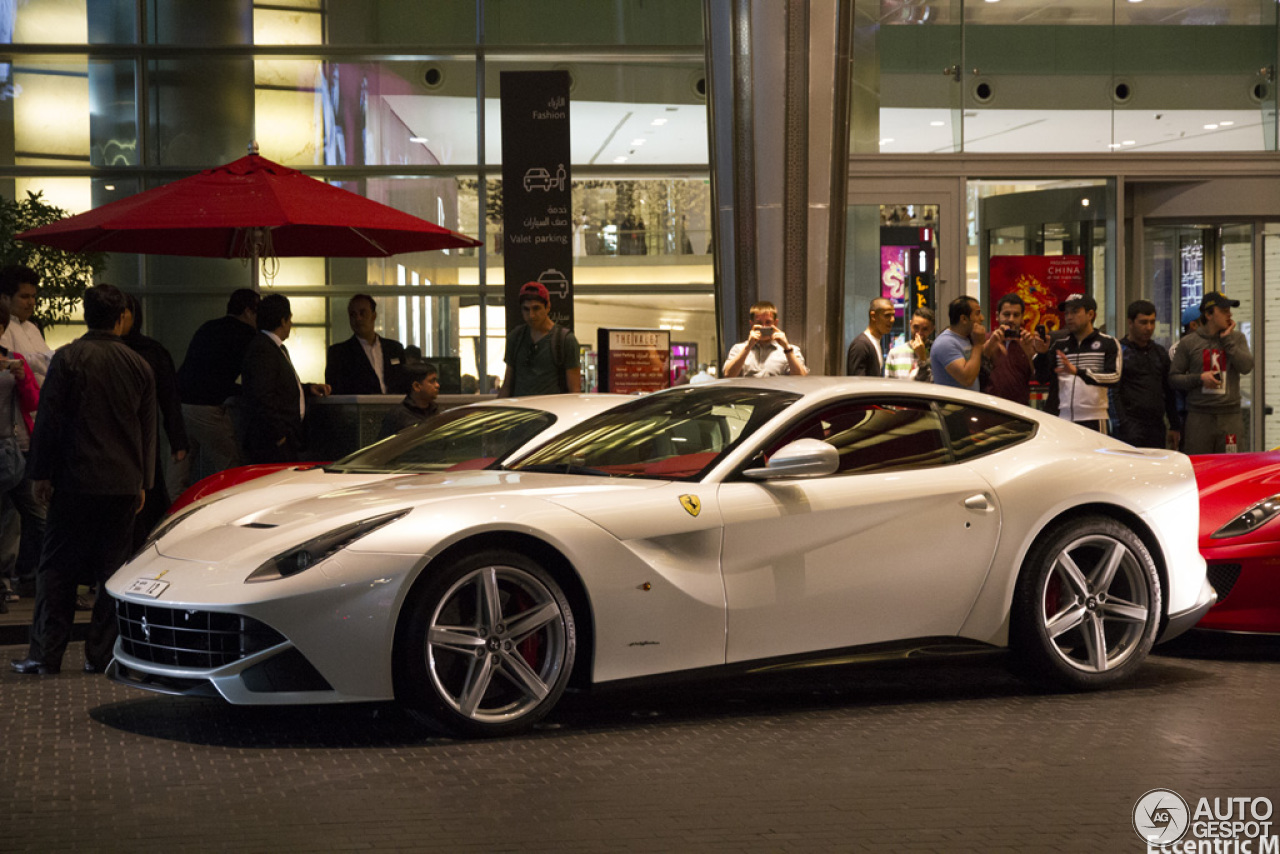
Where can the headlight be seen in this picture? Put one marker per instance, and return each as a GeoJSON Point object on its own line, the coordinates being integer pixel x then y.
{"type": "Point", "coordinates": [315, 550]}
{"type": "Point", "coordinates": [1250, 520]}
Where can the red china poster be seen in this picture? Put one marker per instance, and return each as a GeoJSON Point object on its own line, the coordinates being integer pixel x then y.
{"type": "Point", "coordinates": [636, 360]}
{"type": "Point", "coordinates": [1042, 281]}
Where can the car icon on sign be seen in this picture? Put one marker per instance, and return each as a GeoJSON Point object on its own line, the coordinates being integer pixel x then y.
{"type": "Point", "coordinates": [555, 283]}
{"type": "Point", "coordinates": [538, 178]}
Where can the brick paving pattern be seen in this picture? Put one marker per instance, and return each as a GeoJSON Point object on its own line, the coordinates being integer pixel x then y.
{"type": "Point", "coordinates": [899, 758]}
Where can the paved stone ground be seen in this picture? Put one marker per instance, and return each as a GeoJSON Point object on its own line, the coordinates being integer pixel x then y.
{"type": "Point", "coordinates": [915, 758]}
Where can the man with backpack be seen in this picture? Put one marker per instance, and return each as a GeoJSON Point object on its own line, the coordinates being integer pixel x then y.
{"type": "Point", "coordinates": [541, 356]}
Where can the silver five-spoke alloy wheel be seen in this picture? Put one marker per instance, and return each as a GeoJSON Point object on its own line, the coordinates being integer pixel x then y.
{"type": "Point", "coordinates": [1095, 603]}
{"type": "Point", "coordinates": [497, 644]}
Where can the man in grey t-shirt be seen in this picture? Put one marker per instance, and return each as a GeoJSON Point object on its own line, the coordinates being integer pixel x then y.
{"type": "Point", "coordinates": [541, 356]}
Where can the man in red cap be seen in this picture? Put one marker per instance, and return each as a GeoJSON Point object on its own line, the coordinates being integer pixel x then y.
{"type": "Point", "coordinates": [541, 356]}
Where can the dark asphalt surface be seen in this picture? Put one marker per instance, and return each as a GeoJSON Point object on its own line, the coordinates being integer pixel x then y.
{"type": "Point", "coordinates": [955, 757]}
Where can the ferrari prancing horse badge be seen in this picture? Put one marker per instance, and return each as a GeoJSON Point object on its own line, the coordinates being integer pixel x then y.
{"type": "Point", "coordinates": [691, 504]}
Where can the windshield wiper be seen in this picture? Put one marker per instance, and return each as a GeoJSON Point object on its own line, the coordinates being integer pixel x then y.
{"type": "Point", "coordinates": [563, 468]}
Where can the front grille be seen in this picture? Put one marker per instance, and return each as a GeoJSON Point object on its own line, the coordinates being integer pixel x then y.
{"type": "Point", "coordinates": [196, 639]}
{"type": "Point", "coordinates": [1222, 577]}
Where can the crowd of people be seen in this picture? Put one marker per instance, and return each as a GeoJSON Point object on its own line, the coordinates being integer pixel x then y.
{"type": "Point", "coordinates": [1185, 398]}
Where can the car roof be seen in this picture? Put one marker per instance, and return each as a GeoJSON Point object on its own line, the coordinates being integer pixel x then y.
{"type": "Point", "coordinates": [817, 388]}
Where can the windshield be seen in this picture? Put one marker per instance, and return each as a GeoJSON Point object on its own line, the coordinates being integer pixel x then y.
{"type": "Point", "coordinates": [465, 438]}
{"type": "Point", "coordinates": [675, 435]}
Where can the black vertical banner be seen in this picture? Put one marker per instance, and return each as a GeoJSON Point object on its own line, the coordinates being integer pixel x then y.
{"type": "Point", "coordinates": [536, 196]}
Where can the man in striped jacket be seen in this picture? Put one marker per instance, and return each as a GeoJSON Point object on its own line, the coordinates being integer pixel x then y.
{"type": "Point", "coordinates": [1081, 366]}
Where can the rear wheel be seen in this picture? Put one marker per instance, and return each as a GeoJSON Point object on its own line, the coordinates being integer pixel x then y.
{"type": "Point", "coordinates": [486, 646]}
{"type": "Point", "coordinates": [1087, 605]}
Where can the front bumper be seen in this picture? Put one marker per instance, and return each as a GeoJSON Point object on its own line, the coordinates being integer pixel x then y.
{"type": "Point", "coordinates": [1184, 620]}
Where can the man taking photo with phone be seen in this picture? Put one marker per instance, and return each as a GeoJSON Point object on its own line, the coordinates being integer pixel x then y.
{"type": "Point", "coordinates": [766, 352]}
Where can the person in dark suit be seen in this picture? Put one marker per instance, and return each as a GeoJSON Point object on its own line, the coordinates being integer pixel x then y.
{"type": "Point", "coordinates": [366, 363]}
{"type": "Point", "coordinates": [93, 455]}
{"type": "Point", "coordinates": [865, 358]}
{"type": "Point", "coordinates": [207, 388]}
{"type": "Point", "coordinates": [274, 397]}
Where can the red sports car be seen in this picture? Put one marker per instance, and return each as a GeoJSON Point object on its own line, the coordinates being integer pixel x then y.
{"type": "Point", "coordinates": [1240, 539]}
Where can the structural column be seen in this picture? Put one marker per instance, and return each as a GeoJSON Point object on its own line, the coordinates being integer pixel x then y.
{"type": "Point", "coordinates": [779, 96]}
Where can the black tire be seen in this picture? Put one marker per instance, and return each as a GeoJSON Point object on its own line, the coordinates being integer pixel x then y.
{"type": "Point", "coordinates": [1087, 605]}
{"type": "Point", "coordinates": [485, 646]}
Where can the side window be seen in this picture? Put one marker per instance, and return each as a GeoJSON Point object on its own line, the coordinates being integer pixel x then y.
{"type": "Point", "coordinates": [876, 436]}
{"type": "Point", "coordinates": [975, 431]}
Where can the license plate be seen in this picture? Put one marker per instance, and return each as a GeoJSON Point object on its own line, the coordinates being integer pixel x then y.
{"type": "Point", "coordinates": [149, 587]}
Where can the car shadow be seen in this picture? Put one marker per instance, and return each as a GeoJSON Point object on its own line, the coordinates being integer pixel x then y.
{"type": "Point", "coordinates": [1225, 646]}
{"type": "Point", "coordinates": [849, 688]}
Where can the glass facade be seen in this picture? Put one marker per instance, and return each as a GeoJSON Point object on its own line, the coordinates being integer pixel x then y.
{"type": "Point", "coordinates": [398, 101]}
{"type": "Point", "coordinates": [1133, 141]}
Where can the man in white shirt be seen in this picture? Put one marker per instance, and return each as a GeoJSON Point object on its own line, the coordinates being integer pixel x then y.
{"type": "Point", "coordinates": [18, 284]}
{"type": "Point", "coordinates": [766, 352]}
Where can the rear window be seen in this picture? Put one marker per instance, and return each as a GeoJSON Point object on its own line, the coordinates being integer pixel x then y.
{"type": "Point", "coordinates": [975, 431]}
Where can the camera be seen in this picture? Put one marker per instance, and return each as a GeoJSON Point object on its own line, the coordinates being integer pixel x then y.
{"type": "Point", "coordinates": [1012, 330]}
{"type": "Point", "coordinates": [766, 331]}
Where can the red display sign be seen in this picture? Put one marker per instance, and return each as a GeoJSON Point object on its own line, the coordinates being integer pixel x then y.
{"type": "Point", "coordinates": [635, 361]}
{"type": "Point", "coordinates": [1043, 281]}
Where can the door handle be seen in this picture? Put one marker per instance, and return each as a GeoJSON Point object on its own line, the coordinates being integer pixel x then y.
{"type": "Point", "coordinates": [977, 502]}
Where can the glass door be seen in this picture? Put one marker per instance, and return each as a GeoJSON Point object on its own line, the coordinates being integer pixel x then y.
{"type": "Point", "coordinates": [1182, 262]}
{"type": "Point", "coordinates": [893, 253]}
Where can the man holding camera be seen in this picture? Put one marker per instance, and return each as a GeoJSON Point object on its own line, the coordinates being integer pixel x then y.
{"type": "Point", "coordinates": [1208, 364]}
{"type": "Point", "coordinates": [1012, 351]}
{"type": "Point", "coordinates": [766, 352]}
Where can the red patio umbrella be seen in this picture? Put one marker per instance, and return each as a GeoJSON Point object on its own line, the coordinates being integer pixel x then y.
{"type": "Point", "coordinates": [251, 208]}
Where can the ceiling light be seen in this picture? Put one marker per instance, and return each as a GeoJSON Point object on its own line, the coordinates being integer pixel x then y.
{"type": "Point", "coordinates": [1210, 127]}
{"type": "Point", "coordinates": [421, 139]}
{"type": "Point", "coordinates": [937, 124]}
{"type": "Point", "coordinates": [1129, 142]}
{"type": "Point", "coordinates": [637, 142]}
{"type": "Point", "coordinates": [1113, 145]}
{"type": "Point", "coordinates": [109, 187]}
{"type": "Point", "coordinates": [1084, 202]}
{"type": "Point", "coordinates": [658, 122]}
{"type": "Point", "coordinates": [1225, 124]}
{"type": "Point", "coordinates": [886, 141]}
{"type": "Point", "coordinates": [620, 159]}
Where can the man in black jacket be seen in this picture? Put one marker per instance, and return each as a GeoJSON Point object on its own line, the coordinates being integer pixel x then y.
{"type": "Point", "coordinates": [92, 458]}
{"type": "Point", "coordinates": [366, 363]}
{"type": "Point", "coordinates": [274, 397]}
{"type": "Point", "coordinates": [1144, 400]}
{"type": "Point", "coordinates": [207, 381]}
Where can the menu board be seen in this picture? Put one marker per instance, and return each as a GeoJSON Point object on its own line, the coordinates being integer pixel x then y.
{"type": "Point", "coordinates": [634, 361]}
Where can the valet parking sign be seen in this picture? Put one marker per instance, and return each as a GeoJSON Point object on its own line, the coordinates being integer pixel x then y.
{"type": "Point", "coordinates": [536, 192]}
{"type": "Point", "coordinates": [1168, 824]}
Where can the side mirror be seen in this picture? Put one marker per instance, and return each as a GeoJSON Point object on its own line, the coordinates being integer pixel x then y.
{"type": "Point", "coordinates": [801, 458]}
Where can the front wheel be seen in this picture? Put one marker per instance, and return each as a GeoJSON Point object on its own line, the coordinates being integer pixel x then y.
{"type": "Point", "coordinates": [1087, 605]}
{"type": "Point", "coordinates": [486, 646]}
